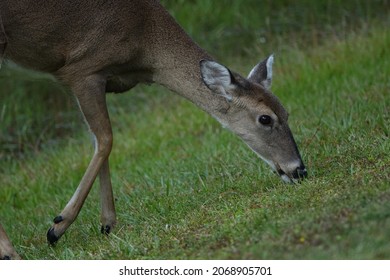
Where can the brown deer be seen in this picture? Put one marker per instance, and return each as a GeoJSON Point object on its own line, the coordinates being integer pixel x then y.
{"type": "Point", "coordinates": [100, 46]}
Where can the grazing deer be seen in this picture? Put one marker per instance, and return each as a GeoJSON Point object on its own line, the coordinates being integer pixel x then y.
{"type": "Point", "coordinates": [99, 46]}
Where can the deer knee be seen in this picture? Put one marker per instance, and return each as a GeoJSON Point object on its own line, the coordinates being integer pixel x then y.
{"type": "Point", "coordinates": [103, 145]}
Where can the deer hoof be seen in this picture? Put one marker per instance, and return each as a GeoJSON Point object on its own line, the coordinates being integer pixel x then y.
{"type": "Point", "coordinates": [105, 229]}
{"type": "Point", "coordinates": [52, 238]}
{"type": "Point", "coordinates": [6, 258]}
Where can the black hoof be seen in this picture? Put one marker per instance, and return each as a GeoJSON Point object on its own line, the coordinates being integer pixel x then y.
{"type": "Point", "coordinates": [58, 219]}
{"type": "Point", "coordinates": [51, 237]}
{"type": "Point", "coordinates": [105, 230]}
{"type": "Point", "coordinates": [6, 258]}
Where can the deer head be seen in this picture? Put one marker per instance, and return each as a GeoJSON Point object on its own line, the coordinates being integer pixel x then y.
{"type": "Point", "coordinates": [256, 115]}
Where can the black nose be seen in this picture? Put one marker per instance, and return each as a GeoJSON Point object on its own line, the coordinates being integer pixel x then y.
{"type": "Point", "coordinates": [300, 173]}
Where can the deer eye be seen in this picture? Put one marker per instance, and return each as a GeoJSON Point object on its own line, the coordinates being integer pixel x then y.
{"type": "Point", "coordinates": [265, 120]}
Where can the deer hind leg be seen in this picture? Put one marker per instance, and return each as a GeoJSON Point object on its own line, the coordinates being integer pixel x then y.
{"type": "Point", "coordinates": [7, 251]}
{"type": "Point", "coordinates": [90, 94]}
{"type": "Point", "coordinates": [108, 215]}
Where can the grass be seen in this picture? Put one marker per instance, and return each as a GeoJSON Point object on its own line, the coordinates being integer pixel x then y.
{"type": "Point", "coordinates": [187, 189]}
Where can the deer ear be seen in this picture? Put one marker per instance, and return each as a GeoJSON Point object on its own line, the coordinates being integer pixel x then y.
{"type": "Point", "coordinates": [217, 78]}
{"type": "Point", "coordinates": [262, 72]}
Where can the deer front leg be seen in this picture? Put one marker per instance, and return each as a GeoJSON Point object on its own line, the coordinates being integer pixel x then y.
{"type": "Point", "coordinates": [7, 251]}
{"type": "Point", "coordinates": [90, 93]}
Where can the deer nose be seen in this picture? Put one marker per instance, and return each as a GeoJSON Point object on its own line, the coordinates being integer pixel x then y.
{"type": "Point", "coordinates": [300, 173]}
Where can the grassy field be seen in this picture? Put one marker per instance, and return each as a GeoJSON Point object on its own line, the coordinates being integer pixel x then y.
{"type": "Point", "coordinates": [185, 188]}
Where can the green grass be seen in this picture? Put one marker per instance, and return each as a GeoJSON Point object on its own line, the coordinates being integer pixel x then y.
{"type": "Point", "coordinates": [187, 189]}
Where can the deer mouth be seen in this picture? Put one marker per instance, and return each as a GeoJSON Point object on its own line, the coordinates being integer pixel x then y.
{"type": "Point", "coordinates": [288, 177]}
{"type": "Point", "coordinates": [283, 175]}
{"type": "Point", "coordinates": [295, 177]}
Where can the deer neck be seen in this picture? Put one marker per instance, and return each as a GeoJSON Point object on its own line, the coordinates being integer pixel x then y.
{"type": "Point", "coordinates": [175, 62]}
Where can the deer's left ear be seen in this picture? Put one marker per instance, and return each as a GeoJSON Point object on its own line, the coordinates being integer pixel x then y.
{"type": "Point", "coordinates": [217, 78]}
{"type": "Point", "coordinates": [262, 72]}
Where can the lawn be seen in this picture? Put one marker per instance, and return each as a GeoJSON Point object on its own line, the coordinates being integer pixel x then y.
{"type": "Point", "coordinates": [186, 188]}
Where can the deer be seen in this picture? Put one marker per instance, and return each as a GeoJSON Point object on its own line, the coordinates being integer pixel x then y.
{"type": "Point", "coordinates": [94, 47]}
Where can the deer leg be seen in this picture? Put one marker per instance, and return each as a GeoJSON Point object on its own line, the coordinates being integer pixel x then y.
{"type": "Point", "coordinates": [90, 94]}
{"type": "Point", "coordinates": [7, 251]}
{"type": "Point", "coordinates": [108, 215]}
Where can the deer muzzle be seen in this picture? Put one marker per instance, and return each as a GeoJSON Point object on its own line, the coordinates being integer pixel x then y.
{"type": "Point", "coordinates": [293, 173]}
